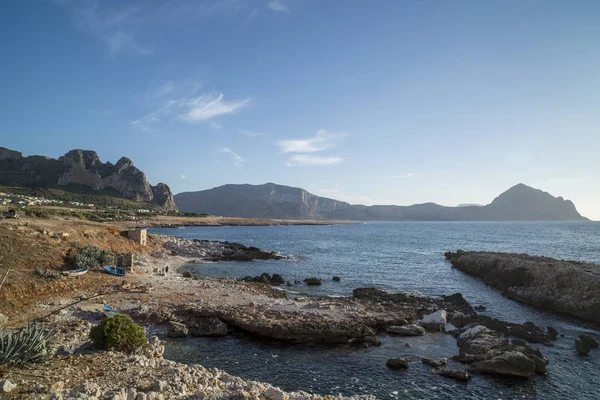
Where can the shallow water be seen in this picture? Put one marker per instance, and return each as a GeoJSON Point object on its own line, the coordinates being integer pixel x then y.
{"type": "Point", "coordinates": [397, 257]}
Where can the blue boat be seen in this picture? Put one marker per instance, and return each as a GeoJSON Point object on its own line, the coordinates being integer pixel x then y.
{"type": "Point", "coordinates": [114, 270]}
{"type": "Point", "coordinates": [109, 311]}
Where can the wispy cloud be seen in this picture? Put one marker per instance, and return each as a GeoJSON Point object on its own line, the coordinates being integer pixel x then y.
{"type": "Point", "coordinates": [191, 109]}
{"type": "Point", "coordinates": [116, 28]}
{"type": "Point", "coordinates": [310, 160]}
{"type": "Point", "coordinates": [405, 176]}
{"type": "Point", "coordinates": [238, 161]}
{"type": "Point", "coordinates": [161, 90]}
{"type": "Point", "coordinates": [130, 27]}
{"type": "Point", "coordinates": [182, 176]}
{"type": "Point", "coordinates": [277, 5]}
{"type": "Point", "coordinates": [207, 106]}
{"type": "Point", "coordinates": [320, 141]}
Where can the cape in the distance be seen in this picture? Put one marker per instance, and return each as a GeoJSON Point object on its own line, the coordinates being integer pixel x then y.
{"type": "Point", "coordinates": [519, 203]}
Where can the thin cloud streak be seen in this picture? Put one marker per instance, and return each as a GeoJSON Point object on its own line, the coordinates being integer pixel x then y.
{"type": "Point", "coordinates": [405, 176]}
{"type": "Point", "coordinates": [194, 109]}
{"type": "Point", "coordinates": [309, 160]}
{"type": "Point", "coordinates": [207, 106]}
{"type": "Point", "coordinates": [278, 6]}
{"type": "Point", "coordinates": [238, 161]}
{"type": "Point", "coordinates": [321, 141]}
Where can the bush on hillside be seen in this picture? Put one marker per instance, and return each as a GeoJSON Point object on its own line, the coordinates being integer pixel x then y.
{"type": "Point", "coordinates": [91, 257]}
{"type": "Point", "coordinates": [118, 333]}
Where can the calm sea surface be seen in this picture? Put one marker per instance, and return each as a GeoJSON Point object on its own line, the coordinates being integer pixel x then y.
{"type": "Point", "coordinates": [397, 257]}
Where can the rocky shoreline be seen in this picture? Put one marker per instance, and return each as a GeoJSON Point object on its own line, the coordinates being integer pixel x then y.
{"type": "Point", "coordinates": [213, 251]}
{"type": "Point", "coordinates": [177, 304]}
{"type": "Point", "coordinates": [565, 287]}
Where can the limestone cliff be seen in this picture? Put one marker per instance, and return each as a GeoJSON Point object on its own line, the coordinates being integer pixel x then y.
{"type": "Point", "coordinates": [84, 168]}
{"type": "Point", "coordinates": [259, 201]}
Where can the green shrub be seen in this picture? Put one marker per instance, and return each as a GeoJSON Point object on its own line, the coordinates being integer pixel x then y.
{"type": "Point", "coordinates": [24, 346]}
{"type": "Point", "coordinates": [91, 257]}
{"type": "Point", "coordinates": [118, 333]}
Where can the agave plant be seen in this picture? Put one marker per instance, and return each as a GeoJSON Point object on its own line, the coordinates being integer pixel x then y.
{"type": "Point", "coordinates": [24, 346]}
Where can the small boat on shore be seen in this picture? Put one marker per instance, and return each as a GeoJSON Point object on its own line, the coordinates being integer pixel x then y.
{"type": "Point", "coordinates": [114, 270]}
{"type": "Point", "coordinates": [109, 311]}
{"type": "Point", "coordinates": [77, 272]}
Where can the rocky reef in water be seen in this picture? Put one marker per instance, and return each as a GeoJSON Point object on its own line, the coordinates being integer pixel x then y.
{"type": "Point", "coordinates": [565, 287]}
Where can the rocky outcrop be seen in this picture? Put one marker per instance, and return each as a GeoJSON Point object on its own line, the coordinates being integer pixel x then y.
{"type": "Point", "coordinates": [434, 321]}
{"type": "Point", "coordinates": [406, 330]}
{"type": "Point", "coordinates": [566, 287]}
{"type": "Point", "coordinates": [397, 363]}
{"type": "Point", "coordinates": [207, 327]}
{"type": "Point", "coordinates": [83, 168]}
{"type": "Point", "coordinates": [163, 196]}
{"type": "Point", "coordinates": [9, 155]}
{"type": "Point", "coordinates": [490, 352]}
{"type": "Point", "coordinates": [210, 250]}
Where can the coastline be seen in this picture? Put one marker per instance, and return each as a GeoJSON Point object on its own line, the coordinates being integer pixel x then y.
{"type": "Point", "coordinates": [162, 303]}
{"type": "Point", "coordinates": [173, 222]}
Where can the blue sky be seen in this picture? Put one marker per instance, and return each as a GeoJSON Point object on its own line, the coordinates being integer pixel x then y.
{"type": "Point", "coordinates": [373, 102]}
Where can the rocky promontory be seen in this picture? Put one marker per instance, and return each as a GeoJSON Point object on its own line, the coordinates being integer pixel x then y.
{"type": "Point", "coordinates": [211, 250]}
{"type": "Point", "coordinates": [565, 287]}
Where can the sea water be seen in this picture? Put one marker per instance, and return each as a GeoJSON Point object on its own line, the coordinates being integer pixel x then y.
{"type": "Point", "coordinates": [397, 257]}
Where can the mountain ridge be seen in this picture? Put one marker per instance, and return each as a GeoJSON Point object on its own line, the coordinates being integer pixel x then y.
{"type": "Point", "coordinates": [83, 168]}
{"type": "Point", "coordinates": [518, 203]}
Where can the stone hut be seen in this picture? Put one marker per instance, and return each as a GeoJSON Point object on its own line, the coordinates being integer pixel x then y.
{"type": "Point", "coordinates": [125, 261]}
{"type": "Point", "coordinates": [140, 236]}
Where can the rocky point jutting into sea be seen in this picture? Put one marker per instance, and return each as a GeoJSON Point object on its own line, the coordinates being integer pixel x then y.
{"type": "Point", "coordinates": [567, 287]}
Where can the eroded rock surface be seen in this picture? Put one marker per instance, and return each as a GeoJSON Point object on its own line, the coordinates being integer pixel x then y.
{"type": "Point", "coordinates": [540, 281]}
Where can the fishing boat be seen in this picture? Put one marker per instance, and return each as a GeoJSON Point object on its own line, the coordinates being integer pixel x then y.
{"type": "Point", "coordinates": [77, 272]}
{"type": "Point", "coordinates": [114, 270]}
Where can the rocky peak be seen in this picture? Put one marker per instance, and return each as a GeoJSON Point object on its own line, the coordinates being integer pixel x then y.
{"type": "Point", "coordinates": [10, 155]}
{"type": "Point", "coordinates": [82, 167]}
{"type": "Point", "coordinates": [164, 197]}
{"type": "Point", "coordinates": [85, 158]}
{"type": "Point", "coordinates": [124, 163]}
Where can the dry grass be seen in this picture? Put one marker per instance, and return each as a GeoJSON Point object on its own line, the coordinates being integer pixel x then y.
{"type": "Point", "coordinates": [23, 247]}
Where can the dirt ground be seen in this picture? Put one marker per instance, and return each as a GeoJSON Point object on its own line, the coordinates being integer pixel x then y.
{"type": "Point", "coordinates": [30, 242]}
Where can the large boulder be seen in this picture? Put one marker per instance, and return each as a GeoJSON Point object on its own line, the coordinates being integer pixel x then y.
{"type": "Point", "coordinates": [459, 374]}
{"type": "Point", "coordinates": [492, 353]}
{"type": "Point", "coordinates": [313, 281]}
{"type": "Point", "coordinates": [510, 363]}
{"type": "Point", "coordinates": [435, 321]}
{"type": "Point", "coordinates": [406, 330]}
{"type": "Point", "coordinates": [590, 341]}
{"type": "Point", "coordinates": [478, 340]}
{"type": "Point", "coordinates": [582, 347]}
{"type": "Point", "coordinates": [278, 280]}
{"type": "Point", "coordinates": [397, 363]}
{"type": "Point", "coordinates": [177, 330]}
{"type": "Point", "coordinates": [212, 327]}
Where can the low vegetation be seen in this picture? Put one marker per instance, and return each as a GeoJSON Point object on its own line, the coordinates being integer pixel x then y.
{"type": "Point", "coordinates": [118, 333]}
{"type": "Point", "coordinates": [90, 256]}
{"type": "Point", "coordinates": [24, 346]}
